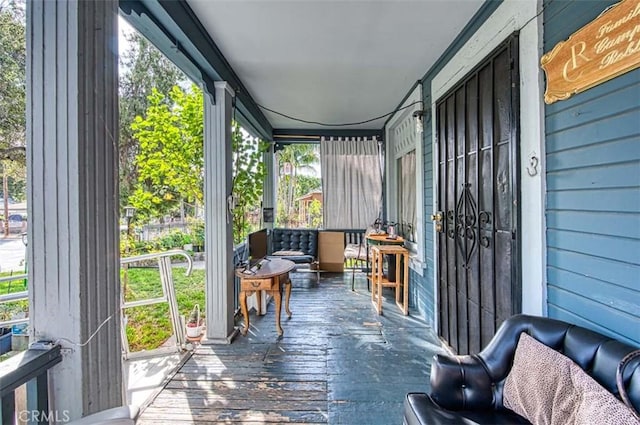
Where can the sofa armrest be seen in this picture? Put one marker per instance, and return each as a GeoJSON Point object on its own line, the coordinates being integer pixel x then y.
{"type": "Point", "coordinates": [461, 383]}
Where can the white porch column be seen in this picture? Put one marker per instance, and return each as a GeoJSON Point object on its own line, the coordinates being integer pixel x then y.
{"type": "Point", "coordinates": [218, 226]}
{"type": "Point", "coordinates": [72, 157]}
{"type": "Point", "coordinates": [270, 188]}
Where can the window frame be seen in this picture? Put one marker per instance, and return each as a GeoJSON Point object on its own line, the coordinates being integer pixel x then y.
{"type": "Point", "coordinates": [401, 138]}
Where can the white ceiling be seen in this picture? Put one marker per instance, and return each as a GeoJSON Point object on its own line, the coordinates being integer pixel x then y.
{"type": "Point", "coordinates": [332, 61]}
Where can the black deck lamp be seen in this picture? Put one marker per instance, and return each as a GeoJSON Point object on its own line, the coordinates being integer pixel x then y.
{"type": "Point", "coordinates": [129, 212]}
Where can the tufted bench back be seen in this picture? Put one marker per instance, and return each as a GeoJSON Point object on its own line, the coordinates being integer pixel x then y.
{"type": "Point", "coordinates": [305, 240]}
{"type": "Point", "coordinates": [597, 354]}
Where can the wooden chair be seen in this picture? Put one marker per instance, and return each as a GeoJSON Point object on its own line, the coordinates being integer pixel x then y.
{"type": "Point", "coordinates": [357, 254]}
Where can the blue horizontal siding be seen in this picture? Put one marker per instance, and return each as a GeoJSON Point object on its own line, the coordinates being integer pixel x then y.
{"type": "Point", "coordinates": [615, 321]}
{"type": "Point", "coordinates": [617, 151]}
{"type": "Point", "coordinates": [596, 223]}
{"type": "Point", "coordinates": [612, 200]}
{"type": "Point", "coordinates": [564, 17]}
{"type": "Point", "coordinates": [560, 313]}
{"type": "Point", "coordinates": [606, 293]}
{"type": "Point", "coordinates": [611, 247]}
{"type": "Point", "coordinates": [622, 126]}
{"type": "Point", "coordinates": [581, 113]}
{"type": "Point", "coordinates": [621, 175]}
{"type": "Point", "coordinates": [606, 270]}
{"type": "Point", "coordinates": [592, 143]}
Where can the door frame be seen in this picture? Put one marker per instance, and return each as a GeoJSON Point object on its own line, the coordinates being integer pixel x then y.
{"type": "Point", "coordinates": [512, 43]}
{"type": "Point", "coordinates": [507, 18]}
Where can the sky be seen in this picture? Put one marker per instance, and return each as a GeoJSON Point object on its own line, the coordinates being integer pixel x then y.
{"type": "Point", "coordinates": [123, 30]}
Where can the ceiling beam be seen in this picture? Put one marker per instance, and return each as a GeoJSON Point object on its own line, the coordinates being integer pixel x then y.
{"type": "Point", "coordinates": [305, 135]}
{"type": "Point", "coordinates": [175, 29]}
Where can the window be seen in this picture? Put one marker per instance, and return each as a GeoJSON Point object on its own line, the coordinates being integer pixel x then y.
{"type": "Point", "coordinates": [407, 196]}
{"type": "Point", "coordinates": [404, 185]}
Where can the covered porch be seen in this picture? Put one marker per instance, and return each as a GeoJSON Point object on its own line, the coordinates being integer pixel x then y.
{"type": "Point", "coordinates": [337, 362]}
{"type": "Point", "coordinates": [563, 254]}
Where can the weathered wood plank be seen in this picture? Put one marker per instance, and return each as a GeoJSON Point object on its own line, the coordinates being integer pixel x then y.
{"type": "Point", "coordinates": [238, 385]}
{"type": "Point", "coordinates": [338, 362]}
{"type": "Point", "coordinates": [198, 415]}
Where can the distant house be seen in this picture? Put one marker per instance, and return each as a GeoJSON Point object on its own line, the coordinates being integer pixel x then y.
{"type": "Point", "coordinates": [305, 204]}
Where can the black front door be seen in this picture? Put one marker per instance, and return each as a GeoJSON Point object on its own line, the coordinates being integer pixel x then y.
{"type": "Point", "coordinates": [477, 201]}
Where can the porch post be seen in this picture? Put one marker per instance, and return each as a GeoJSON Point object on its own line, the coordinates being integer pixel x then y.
{"type": "Point", "coordinates": [72, 157]}
{"type": "Point", "coordinates": [270, 188]}
{"type": "Point", "coordinates": [218, 227]}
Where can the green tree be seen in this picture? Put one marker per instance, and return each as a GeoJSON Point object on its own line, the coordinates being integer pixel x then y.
{"type": "Point", "coordinates": [306, 184]}
{"type": "Point", "coordinates": [315, 213]}
{"type": "Point", "coordinates": [12, 97]}
{"type": "Point", "coordinates": [248, 175]}
{"type": "Point", "coordinates": [170, 159]}
{"type": "Point", "coordinates": [143, 68]}
{"type": "Point", "coordinates": [13, 47]}
{"type": "Point", "coordinates": [291, 160]}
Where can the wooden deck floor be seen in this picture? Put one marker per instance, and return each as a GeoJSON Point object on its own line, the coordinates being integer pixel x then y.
{"type": "Point", "coordinates": [338, 363]}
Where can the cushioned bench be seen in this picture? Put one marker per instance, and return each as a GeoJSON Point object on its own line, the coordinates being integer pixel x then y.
{"type": "Point", "coordinates": [297, 245]}
{"type": "Point", "coordinates": [520, 372]}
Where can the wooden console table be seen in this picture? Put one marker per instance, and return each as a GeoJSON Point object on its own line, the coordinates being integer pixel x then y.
{"type": "Point", "coordinates": [378, 280]}
{"type": "Point", "coordinates": [383, 239]}
{"type": "Point", "coordinates": [269, 277]}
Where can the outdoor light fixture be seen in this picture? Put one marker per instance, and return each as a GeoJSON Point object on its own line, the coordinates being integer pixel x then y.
{"type": "Point", "coordinates": [417, 116]}
{"type": "Point", "coordinates": [129, 211]}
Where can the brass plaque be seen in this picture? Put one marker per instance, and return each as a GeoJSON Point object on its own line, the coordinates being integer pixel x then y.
{"type": "Point", "coordinates": [606, 47]}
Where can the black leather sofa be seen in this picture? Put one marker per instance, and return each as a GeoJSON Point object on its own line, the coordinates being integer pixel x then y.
{"type": "Point", "coordinates": [468, 389]}
{"type": "Point", "coordinates": [301, 240]}
{"type": "Point", "coordinates": [282, 243]}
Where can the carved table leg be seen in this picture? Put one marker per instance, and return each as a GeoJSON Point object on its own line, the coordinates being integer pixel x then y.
{"type": "Point", "coordinates": [259, 301]}
{"type": "Point", "coordinates": [278, 297]}
{"type": "Point", "coordinates": [287, 292]}
{"type": "Point", "coordinates": [245, 311]}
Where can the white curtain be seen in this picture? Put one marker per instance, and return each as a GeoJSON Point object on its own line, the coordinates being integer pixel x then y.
{"type": "Point", "coordinates": [351, 182]}
{"type": "Point", "coordinates": [407, 193]}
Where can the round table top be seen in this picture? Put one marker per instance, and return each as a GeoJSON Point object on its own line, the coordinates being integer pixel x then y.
{"type": "Point", "coordinates": [384, 239]}
{"type": "Point", "coordinates": [269, 267]}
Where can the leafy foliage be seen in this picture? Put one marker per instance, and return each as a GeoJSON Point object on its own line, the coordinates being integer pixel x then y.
{"type": "Point", "coordinates": [170, 160]}
{"type": "Point", "coordinates": [13, 48]}
{"type": "Point", "coordinates": [143, 68]}
{"type": "Point", "coordinates": [175, 239]}
{"type": "Point", "coordinates": [315, 213]}
{"type": "Point", "coordinates": [291, 185]}
{"type": "Point", "coordinates": [248, 177]}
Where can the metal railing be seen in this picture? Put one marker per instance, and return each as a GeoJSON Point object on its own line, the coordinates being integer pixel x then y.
{"type": "Point", "coordinates": [14, 296]}
{"type": "Point", "coordinates": [31, 368]}
{"type": "Point", "coordinates": [168, 296]}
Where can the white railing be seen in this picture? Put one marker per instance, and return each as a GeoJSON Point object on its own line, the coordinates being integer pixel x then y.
{"type": "Point", "coordinates": [14, 296]}
{"type": "Point", "coordinates": [168, 296]}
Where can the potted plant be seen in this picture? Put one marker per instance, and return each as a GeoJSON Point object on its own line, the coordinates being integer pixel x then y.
{"type": "Point", "coordinates": [194, 324]}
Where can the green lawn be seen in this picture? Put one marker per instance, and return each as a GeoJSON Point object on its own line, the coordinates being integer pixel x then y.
{"type": "Point", "coordinates": [148, 327]}
{"type": "Point", "coordinates": [7, 310]}
{"type": "Point", "coordinates": [12, 285]}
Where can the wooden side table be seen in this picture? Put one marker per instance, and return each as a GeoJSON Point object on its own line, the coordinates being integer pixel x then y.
{"type": "Point", "coordinates": [383, 239]}
{"type": "Point", "coordinates": [269, 277]}
{"type": "Point", "coordinates": [378, 279]}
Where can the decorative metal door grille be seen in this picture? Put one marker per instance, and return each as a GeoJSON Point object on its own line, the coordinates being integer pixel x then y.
{"type": "Point", "coordinates": [477, 138]}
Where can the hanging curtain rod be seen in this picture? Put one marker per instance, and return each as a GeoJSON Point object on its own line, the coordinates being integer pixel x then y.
{"type": "Point", "coordinates": [293, 136]}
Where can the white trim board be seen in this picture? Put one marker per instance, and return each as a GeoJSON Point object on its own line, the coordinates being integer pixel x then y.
{"type": "Point", "coordinates": [393, 152]}
{"type": "Point", "coordinates": [512, 16]}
